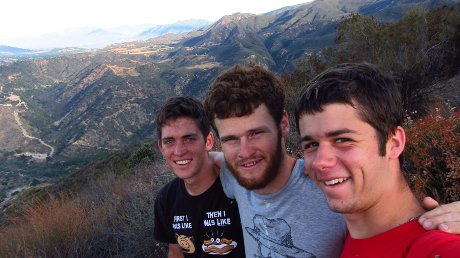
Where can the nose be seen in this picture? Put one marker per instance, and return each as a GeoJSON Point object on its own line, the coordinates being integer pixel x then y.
{"type": "Point", "coordinates": [323, 159]}
{"type": "Point", "coordinates": [179, 149]}
{"type": "Point", "coordinates": [246, 149]}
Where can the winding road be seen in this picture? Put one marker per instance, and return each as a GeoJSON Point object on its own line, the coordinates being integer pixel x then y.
{"type": "Point", "coordinates": [24, 132]}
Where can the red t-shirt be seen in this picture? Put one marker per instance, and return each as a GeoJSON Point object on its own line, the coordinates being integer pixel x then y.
{"type": "Point", "coordinates": [407, 240]}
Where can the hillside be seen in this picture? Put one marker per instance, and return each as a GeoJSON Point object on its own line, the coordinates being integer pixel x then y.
{"type": "Point", "coordinates": [80, 107]}
{"type": "Point", "coordinates": [79, 171]}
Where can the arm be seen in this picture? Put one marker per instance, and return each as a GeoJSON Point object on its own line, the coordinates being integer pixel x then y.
{"type": "Point", "coordinates": [175, 251]}
{"type": "Point", "coordinates": [443, 217]}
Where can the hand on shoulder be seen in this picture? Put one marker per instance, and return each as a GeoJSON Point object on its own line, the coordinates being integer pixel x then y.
{"type": "Point", "coordinates": [444, 217]}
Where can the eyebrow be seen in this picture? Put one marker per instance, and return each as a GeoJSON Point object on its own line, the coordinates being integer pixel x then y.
{"type": "Point", "coordinates": [183, 136]}
{"type": "Point", "coordinates": [232, 136]}
{"type": "Point", "coordinates": [226, 137]}
{"type": "Point", "coordinates": [188, 135]}
{"type": "Point", "coordinates": [329, 134]}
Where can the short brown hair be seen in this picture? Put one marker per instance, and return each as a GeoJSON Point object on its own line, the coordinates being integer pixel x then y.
{"type": "Point", "coordinates": [361, 85]}
{"type": "Point", "coordinates": [183, 106]}
{"type": "Point", "coordinates": [240, 90]}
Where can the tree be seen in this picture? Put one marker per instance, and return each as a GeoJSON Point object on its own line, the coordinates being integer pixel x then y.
{"type": "Point", "coordinates": [144, 154]}
{"type": "Point", "coordinates": [419, 51]}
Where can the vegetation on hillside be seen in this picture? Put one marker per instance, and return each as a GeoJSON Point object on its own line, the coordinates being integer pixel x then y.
{"type": "Point", "coordinates": [107, 214]}
{"type": "Point", "coordinates": [105, 100]}
{"type": "Point", "coordinates": [106, 210]}
{"type": "Point", "coordinates": [421, 52]}
{"type": "Point", "coordinates": [432, 162]}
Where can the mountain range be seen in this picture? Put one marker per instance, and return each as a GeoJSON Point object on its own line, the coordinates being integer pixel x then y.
{"type": "Point", "coordinates": [59, 113]}
{"type": "Point", "coordinates": [94, 37]}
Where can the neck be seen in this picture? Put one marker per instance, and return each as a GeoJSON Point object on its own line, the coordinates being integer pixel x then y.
{"type": "Point", "coordinates": [282, 177]}
{"type": "Point", "coordinates": [395, 208]}
{"type": "Point", "coordinates": [206, 178]}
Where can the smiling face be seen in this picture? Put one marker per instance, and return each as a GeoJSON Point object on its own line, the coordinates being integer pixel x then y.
{"type": "Point", "coordinates": [252, 146]}
{"type": "Point", "coordinates": [183, 147]}
{"type": "Point", "coordinates": [341, 155]}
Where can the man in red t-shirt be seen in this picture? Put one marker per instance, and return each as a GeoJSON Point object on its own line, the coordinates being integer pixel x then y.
{"type": "Point", "coordinates": [350, 122]}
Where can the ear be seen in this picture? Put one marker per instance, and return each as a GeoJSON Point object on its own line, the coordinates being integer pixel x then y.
{"type": "Point", "coordinates": [396, 143]}
{"type": "Point", "coordinates": [160, 147]}
{"type": "Point", "coordinates": [284, 124]}
{"type": "Point", "coordinates": [209, 141]}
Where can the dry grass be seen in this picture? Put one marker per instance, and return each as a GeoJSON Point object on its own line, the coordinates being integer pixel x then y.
{"type": "Point", "coordinates": [113, 217]}
{"type": "Point", "coordinates": [59, 228]}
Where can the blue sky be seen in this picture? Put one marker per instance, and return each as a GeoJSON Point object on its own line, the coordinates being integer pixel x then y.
{"type": "Point", "coordinates": [30, 18]}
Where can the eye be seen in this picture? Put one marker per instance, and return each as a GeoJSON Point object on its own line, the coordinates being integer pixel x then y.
{"type": "Point", "coordinates": [167, 141]}
{"type": "Point", "coordinates": [309, 146]}
{"type": "Point", "coordinates": [255, 134]}
{"type": "Point", "coordinates": [218, 240]}
{"type": "Point", "coordinates": [190, 138]}
{"type": "Point", "coordinates": [342, 140]}
{"type": "Point", "coordinates": [229, 140]}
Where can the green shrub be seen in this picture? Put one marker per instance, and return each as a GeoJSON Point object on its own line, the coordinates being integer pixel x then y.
{"type": "Point", "coordinates": [145, 154]}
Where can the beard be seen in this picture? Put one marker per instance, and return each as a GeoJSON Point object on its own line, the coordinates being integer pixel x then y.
{"type": "Point", "coordinates": [271, 171]}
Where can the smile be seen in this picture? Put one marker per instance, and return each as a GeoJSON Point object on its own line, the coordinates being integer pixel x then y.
{"type": "Point", "coordinates": [183, 162]}
{"type": "Point", "coordinates": [249, 164]}
{"type": "Point", "coordinates": [335, 181]}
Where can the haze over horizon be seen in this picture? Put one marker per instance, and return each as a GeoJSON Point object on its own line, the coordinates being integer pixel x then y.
{"type": "Point", "coordinates": [27, 20]}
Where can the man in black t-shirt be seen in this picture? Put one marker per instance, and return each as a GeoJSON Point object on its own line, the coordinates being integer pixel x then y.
{"type": "Point", "coordinates": [192, 213]}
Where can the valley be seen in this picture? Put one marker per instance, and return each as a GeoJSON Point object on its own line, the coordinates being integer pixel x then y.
{"type": "Point", "coordinates": [16, 142]}
{"type": "Point", "coordinates": [14, 139]}
{"type": "Point", "coordinates": [59, 113]}
{"type": "Point", "coordinates": [34, 155]}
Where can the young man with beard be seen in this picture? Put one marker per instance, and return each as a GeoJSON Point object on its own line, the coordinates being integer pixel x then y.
{"type": "Point", "coordinates": [350, 122]}
{"type": "Point", "coordinates": [282, 212]}
{"type": "Point", "coordinates": [192, 213]}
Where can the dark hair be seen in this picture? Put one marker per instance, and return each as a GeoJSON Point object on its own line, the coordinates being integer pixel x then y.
{"type": "Point", "coordinates": [177, 107]}
{"type": "Point", "coordinates": [375, 95]}
{"type": "Point", "coordinates": [240, 90]}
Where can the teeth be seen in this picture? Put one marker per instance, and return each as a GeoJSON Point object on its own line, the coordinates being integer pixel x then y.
{"type": "Point", "coordinates": [249, 164]}
{"type": "Point", "coordinates": [183, 162]}
{"type": "Point", "coordinates": [335, 181]}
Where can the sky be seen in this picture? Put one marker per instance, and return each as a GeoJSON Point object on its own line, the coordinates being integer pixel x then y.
{"type": "Point", "coordinates": [30, 18]}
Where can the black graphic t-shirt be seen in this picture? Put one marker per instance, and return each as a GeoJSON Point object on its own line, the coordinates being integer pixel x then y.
{"type": "Point", "coordinates": [204, 226]}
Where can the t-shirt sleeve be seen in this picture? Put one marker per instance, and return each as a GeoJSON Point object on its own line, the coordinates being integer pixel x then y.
{"type": "Point", "coordinates": [162, 230]}
{"type": "Point", "coordinates": [449, 249]}
{"type": "Point", "coordinates": [436, 243]}
{"type": "Point", "coordinates": [227, 180]}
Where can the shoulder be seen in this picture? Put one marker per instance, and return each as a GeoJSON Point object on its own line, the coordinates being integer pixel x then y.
{"type": "Point", "coordinates": [226, 176]}
{"type": "Point", "coordinates": [435, 243]}
{"type": "Point", "coordinates": [171, 185]}
{"type": "Point", "coordinates": [298, 174]}
{"type": "Point", "coordinates": [170, 189]}
{"type": "Point", "coordinates": [299, 166]}
{"type": "Point", "coordinates": [228, 181]}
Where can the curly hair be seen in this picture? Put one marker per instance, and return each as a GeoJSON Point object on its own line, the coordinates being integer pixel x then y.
{"type": "Point", "coordinates": [239, 90]}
